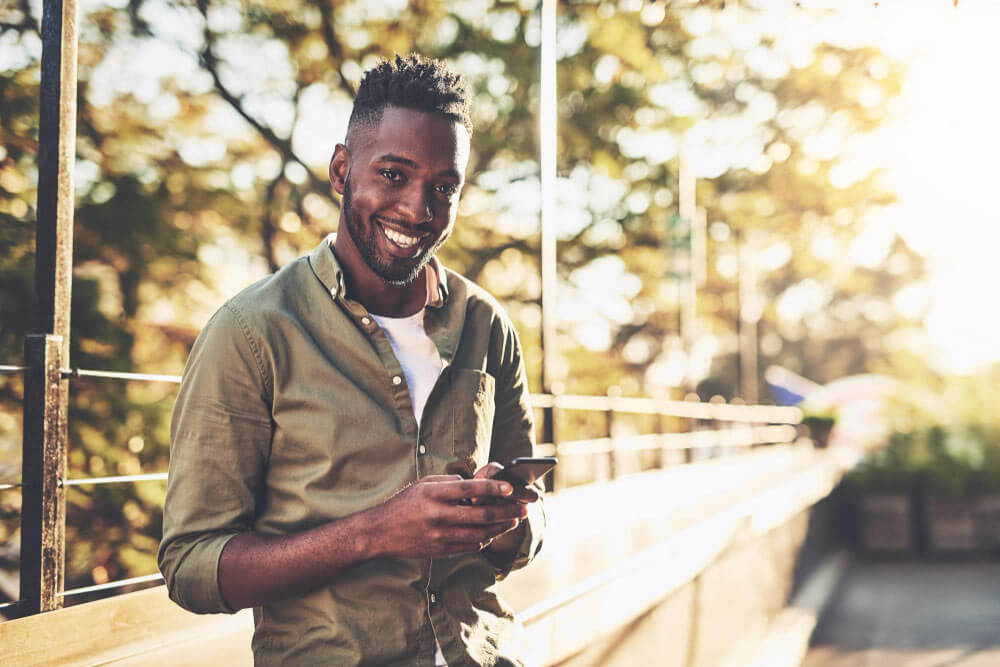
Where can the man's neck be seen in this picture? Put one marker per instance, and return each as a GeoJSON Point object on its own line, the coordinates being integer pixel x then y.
{"type": "Point", "coordinates": [371, 291]}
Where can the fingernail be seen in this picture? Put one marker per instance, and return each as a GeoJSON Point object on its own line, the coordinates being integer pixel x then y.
{"type": "Point", "coordinates": [506, 489]}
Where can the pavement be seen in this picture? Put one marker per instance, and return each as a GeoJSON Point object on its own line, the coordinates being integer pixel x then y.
{"type": "Point", "coordinates": [911, 614]}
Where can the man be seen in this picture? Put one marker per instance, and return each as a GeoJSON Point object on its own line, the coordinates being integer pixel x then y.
{"type": "Point", "coordinates": [339, 422]}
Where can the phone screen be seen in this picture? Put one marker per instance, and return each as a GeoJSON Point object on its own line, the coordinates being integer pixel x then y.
{"type": "Point", "coordinates": [524, 471]}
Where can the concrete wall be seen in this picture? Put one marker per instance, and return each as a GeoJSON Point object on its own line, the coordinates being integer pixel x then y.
{"type": "Point", "coordinates": [719, 616]}
{"type": "Point", "coordinates": [685, 566]}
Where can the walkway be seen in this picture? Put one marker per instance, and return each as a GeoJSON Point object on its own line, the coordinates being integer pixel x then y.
{"type": "Point", "coordinates": [910, 614]}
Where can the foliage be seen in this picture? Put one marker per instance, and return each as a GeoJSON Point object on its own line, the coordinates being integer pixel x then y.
{"type": "Point", "coordinates": [203, 135]}
{"type": "Point", "coordinates": [887, 470]}
{"type": "Point", "coordinates": [952, 461]}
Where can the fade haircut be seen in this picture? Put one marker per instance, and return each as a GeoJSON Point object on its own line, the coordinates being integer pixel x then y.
{"type": "Point", "coordinates": [414, 82]}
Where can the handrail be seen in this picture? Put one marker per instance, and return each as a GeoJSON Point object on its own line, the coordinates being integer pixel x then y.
{"type": "Point", "coordinates": [772, 414]}
{"type": "Point", "coordinates": [73, 373]}
{"type": "Point", "coordinates": [733, 437]}
{"type": "Point", "coordinates": [146, 578]}
{"type": "Point", "coordinates": [670, 408]}
{"type": "Point", "coordinates": [146, 477]}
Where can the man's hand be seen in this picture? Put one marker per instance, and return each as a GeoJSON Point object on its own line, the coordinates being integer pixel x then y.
{"type": "Point", "coordinates": [439, 515]}
{"type": "Point", "coordinates": [522, 494]}
{"type": "Point", "coordinates": [506, 544]}
{"type": "Point", "coordinates": [442, 515]}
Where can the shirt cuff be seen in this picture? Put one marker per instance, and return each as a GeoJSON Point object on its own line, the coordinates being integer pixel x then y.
{"type": "Point", "coordinates": [195, 583]}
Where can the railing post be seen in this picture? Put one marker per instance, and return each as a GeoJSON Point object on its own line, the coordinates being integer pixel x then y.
{"type": "Point", "coordinates": [550, 434]}
{"type": "Point", "coordinates": [43, 464]}
{"type": "Point", "coordinates": [548, 135]}
{"type": "Point", "coordinates": [56, 155]}
{"type": "Point", "coordinates": [692, 426]}
{"type": "Point", "coordinates": [660, 459]}
{"type": "Point", "coordinates": [43, 467]}
{"type": "Point", "coordinates": [609, 421]}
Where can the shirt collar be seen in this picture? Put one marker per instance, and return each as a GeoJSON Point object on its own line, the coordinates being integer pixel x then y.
{"type": "Point", "coordinates": [327, 269]}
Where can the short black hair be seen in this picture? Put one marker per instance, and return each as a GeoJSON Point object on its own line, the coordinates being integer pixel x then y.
{"type": "Point", "coordinates": [414, 82]}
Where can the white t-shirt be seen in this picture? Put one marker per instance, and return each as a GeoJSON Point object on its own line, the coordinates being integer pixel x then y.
{"type": "Point", "coordinates": [417, 354]}
{"type": "Point", "coordinates": [421, 362]}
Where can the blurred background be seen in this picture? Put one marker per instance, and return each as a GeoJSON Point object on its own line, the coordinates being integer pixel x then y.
{"type": "Point", "coordinates": [765, 201]}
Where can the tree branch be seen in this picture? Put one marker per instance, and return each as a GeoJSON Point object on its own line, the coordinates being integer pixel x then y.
{"type": "Point", "coordinates": [269, 228]}
{"type": "Point", "coordinates": [210, 62]}
{"type": "Point", "coordinates": [333, 44]}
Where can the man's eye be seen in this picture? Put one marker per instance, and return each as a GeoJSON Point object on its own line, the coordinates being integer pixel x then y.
{"type": "Point", "coordinates": [391, 175]}
{"type": "Point", "coordinates": [447, 190]}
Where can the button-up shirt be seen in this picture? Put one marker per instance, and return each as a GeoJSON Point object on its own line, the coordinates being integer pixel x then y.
{"type": "Point", "coordinates": [293, 412]}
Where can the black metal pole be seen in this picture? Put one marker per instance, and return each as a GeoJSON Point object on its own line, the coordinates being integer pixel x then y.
{"type": "Point", "coordinates": [56, 154]}
{"type": "Point", "coordinates": [43, 467]}
{"type": "Point", "coordinates": [46, 395]}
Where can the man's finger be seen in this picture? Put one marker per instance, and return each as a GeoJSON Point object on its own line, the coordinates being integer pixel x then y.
{"type": "Point", "coordinates": [473, 488]}
{"type": "Point", "coordinates": [479, 534]}
{"type": "Point", "coordinates": [525, 494]}
{"type": "Point", "coordinates": [440, 478]}
{"type": "Point", "coordinates": [488, 470]}
{"type": "Point", "coordinates": [489, 514]}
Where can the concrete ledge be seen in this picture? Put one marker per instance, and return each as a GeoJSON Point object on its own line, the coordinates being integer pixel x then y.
{"type": "Point", "coordinates": [616, 551]}
{"type": "Point", "coordinates": [142, 628]}
{"type": "Point", "coordinates": [786, 640]}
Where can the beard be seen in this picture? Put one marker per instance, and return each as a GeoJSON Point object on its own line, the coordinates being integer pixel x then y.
{"type": "Point", "coordinates": [397, 272]}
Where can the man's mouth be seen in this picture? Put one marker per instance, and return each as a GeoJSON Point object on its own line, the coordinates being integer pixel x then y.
{"type": "Point", "coordinates": [399, 239]}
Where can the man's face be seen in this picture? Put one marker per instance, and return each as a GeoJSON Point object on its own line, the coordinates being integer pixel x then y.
{"type": "Point", "coordinates": [401, 190]}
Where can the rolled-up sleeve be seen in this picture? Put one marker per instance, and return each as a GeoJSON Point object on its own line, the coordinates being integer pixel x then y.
{"type": "Point", "coordinates": [514, 436]}
{"type": "Point", "coordinates": [220, 438]}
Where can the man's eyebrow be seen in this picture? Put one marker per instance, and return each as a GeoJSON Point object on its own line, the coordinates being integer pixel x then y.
{"type": "Point", "coordinates": [398, 159]}
{"type": "Point", "coordinates": [407, 162]}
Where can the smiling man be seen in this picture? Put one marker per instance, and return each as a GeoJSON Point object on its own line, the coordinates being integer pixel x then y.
{"type": "Point", "coordinates": [339, 423]}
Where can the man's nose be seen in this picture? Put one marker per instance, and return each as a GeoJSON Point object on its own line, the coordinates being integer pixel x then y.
{"type": "Point", "coordinates": [415, 204]}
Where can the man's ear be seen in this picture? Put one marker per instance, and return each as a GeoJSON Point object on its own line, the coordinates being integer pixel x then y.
{"type": "Point", "coordinates": [339, 166]}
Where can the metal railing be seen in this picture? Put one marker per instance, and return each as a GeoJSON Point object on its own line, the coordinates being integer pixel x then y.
{"type": "Point", "coordinates": [43, 482]}
{"type": "Point", "coordinates": [749, 426]}
{"type": "Point", "coordinates": [46, 379]}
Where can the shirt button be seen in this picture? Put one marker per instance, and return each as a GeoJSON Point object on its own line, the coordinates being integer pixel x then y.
{"type": "Point", "coordinates": [366, 321]}
{"type": "Point", "coordinates": [422, 449]}
{"type": "Point", "coordinates": [396, 380]}
{"type": "Point", "coordinates": [333, 292]}
{"type": "Point", "coordinates": [433, 598]}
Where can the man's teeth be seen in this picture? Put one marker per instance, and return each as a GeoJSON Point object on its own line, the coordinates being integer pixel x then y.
{"type": "Point", "coordinates": [402, 240]}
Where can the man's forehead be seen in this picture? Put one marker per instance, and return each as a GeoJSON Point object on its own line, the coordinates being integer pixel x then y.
{"type": "Point", "coordinates": [425, 138]}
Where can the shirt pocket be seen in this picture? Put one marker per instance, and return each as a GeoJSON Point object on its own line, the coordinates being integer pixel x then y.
{"type": "Point", "coordinates": [473, 407]}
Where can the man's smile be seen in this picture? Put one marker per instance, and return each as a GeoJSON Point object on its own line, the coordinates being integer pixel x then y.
{"type": "Point", "coordinates": [406, 242]}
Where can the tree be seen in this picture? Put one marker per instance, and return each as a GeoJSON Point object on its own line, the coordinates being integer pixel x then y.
{"type": "Point", "coordinates": [204, 132]}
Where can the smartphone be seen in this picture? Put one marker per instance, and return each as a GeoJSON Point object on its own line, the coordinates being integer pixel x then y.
{"type": "Point", "coordinates": [525, 470]}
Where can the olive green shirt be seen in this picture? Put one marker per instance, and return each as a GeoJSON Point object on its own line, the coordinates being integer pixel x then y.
{"type": "Point", "coordinates": [293, 412]}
